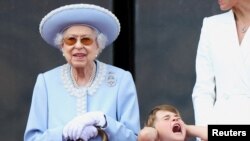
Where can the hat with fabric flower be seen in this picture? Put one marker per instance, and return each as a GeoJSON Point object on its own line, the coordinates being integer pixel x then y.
{"type": "Point", "coordinates": [91, 15]}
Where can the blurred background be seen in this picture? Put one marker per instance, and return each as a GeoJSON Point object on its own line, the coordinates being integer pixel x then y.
{"type": "Point", "coordinates": [157, 44]}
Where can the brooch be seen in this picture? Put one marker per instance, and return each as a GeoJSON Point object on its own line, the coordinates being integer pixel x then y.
{"type": "Point", "coordinates": [110, 79]}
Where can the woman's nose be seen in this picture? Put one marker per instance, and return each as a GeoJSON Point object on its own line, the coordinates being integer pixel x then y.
{"type": "Point", "coordinates": [79, 45]}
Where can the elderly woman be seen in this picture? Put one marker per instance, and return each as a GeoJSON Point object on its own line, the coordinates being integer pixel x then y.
{"type": "Point", "coordinates": [71, 101]}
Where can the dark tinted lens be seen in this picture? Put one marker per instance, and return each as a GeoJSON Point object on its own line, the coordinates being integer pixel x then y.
{"type": "Point", "coordinates": [70, 40]}
{"type": "Point", "coordinates": [86, 41]}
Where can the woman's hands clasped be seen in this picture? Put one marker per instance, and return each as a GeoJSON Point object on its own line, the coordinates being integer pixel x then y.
{"type": "Point", "coordinates": [84, 126]}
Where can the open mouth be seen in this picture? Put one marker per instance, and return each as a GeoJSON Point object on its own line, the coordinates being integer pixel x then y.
{"type": "Point", "coordinates": [176, 128]}
{"type": "Point", "coordinates": [78, 54]}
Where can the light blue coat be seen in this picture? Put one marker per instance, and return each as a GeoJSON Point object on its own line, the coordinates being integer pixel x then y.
{"type": "Point", "coordinates": [113, 92]}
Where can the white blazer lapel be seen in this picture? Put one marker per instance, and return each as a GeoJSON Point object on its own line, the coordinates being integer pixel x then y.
{"type": "Point", "coordinates": [245, 46]}
{"type": "Point", "coordinates": [241, 64]}
{"type": "Point", "coordinates": [240, 52]}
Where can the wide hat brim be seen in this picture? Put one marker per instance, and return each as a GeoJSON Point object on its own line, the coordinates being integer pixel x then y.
{"type": "Point", "coordinates": [63, 17]}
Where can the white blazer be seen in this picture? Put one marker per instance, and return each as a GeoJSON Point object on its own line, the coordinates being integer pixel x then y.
{"type": "Point", "coordinates": [221, 94]}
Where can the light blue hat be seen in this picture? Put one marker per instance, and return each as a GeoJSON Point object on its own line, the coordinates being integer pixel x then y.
{"type": "Point", "coordinates": [63, 17]}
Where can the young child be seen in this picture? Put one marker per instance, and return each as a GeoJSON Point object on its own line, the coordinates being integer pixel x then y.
{"type": "Point", "coordinates": [164, 123]}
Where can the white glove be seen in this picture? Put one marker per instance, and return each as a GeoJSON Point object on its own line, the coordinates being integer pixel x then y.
{"type": "Point", "coordinates": [75, 127]}
{"type": "Point", "coordinates": [89, 132]}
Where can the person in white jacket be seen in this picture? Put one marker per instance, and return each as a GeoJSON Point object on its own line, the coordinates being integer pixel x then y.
{"type": "Point", "coordinates": [221, 94]}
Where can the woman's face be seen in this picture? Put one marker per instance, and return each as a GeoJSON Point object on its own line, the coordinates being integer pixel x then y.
{"type": "Point", "coordinates": [79, 46]}
{"type": "Point", "coordinates": [170, 127]}
{"type": "Point", "coordinates": [227, 4]}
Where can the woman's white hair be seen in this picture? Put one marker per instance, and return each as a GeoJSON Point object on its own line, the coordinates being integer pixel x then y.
{"type": "Point", "coordinates": [100, 38]}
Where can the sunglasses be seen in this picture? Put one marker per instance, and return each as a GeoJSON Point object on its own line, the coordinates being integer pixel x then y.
{"type": "Point", "coordinates": [72, 40]}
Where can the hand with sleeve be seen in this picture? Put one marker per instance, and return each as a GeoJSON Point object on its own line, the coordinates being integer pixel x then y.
{"type": "Point", "coordinates": [74, 129]}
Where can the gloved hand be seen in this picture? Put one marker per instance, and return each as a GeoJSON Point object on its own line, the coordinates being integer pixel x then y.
{"type": "Point", "coordinates": [75, 127]}
{"type": "Point", "coordinates": [89, 132]}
